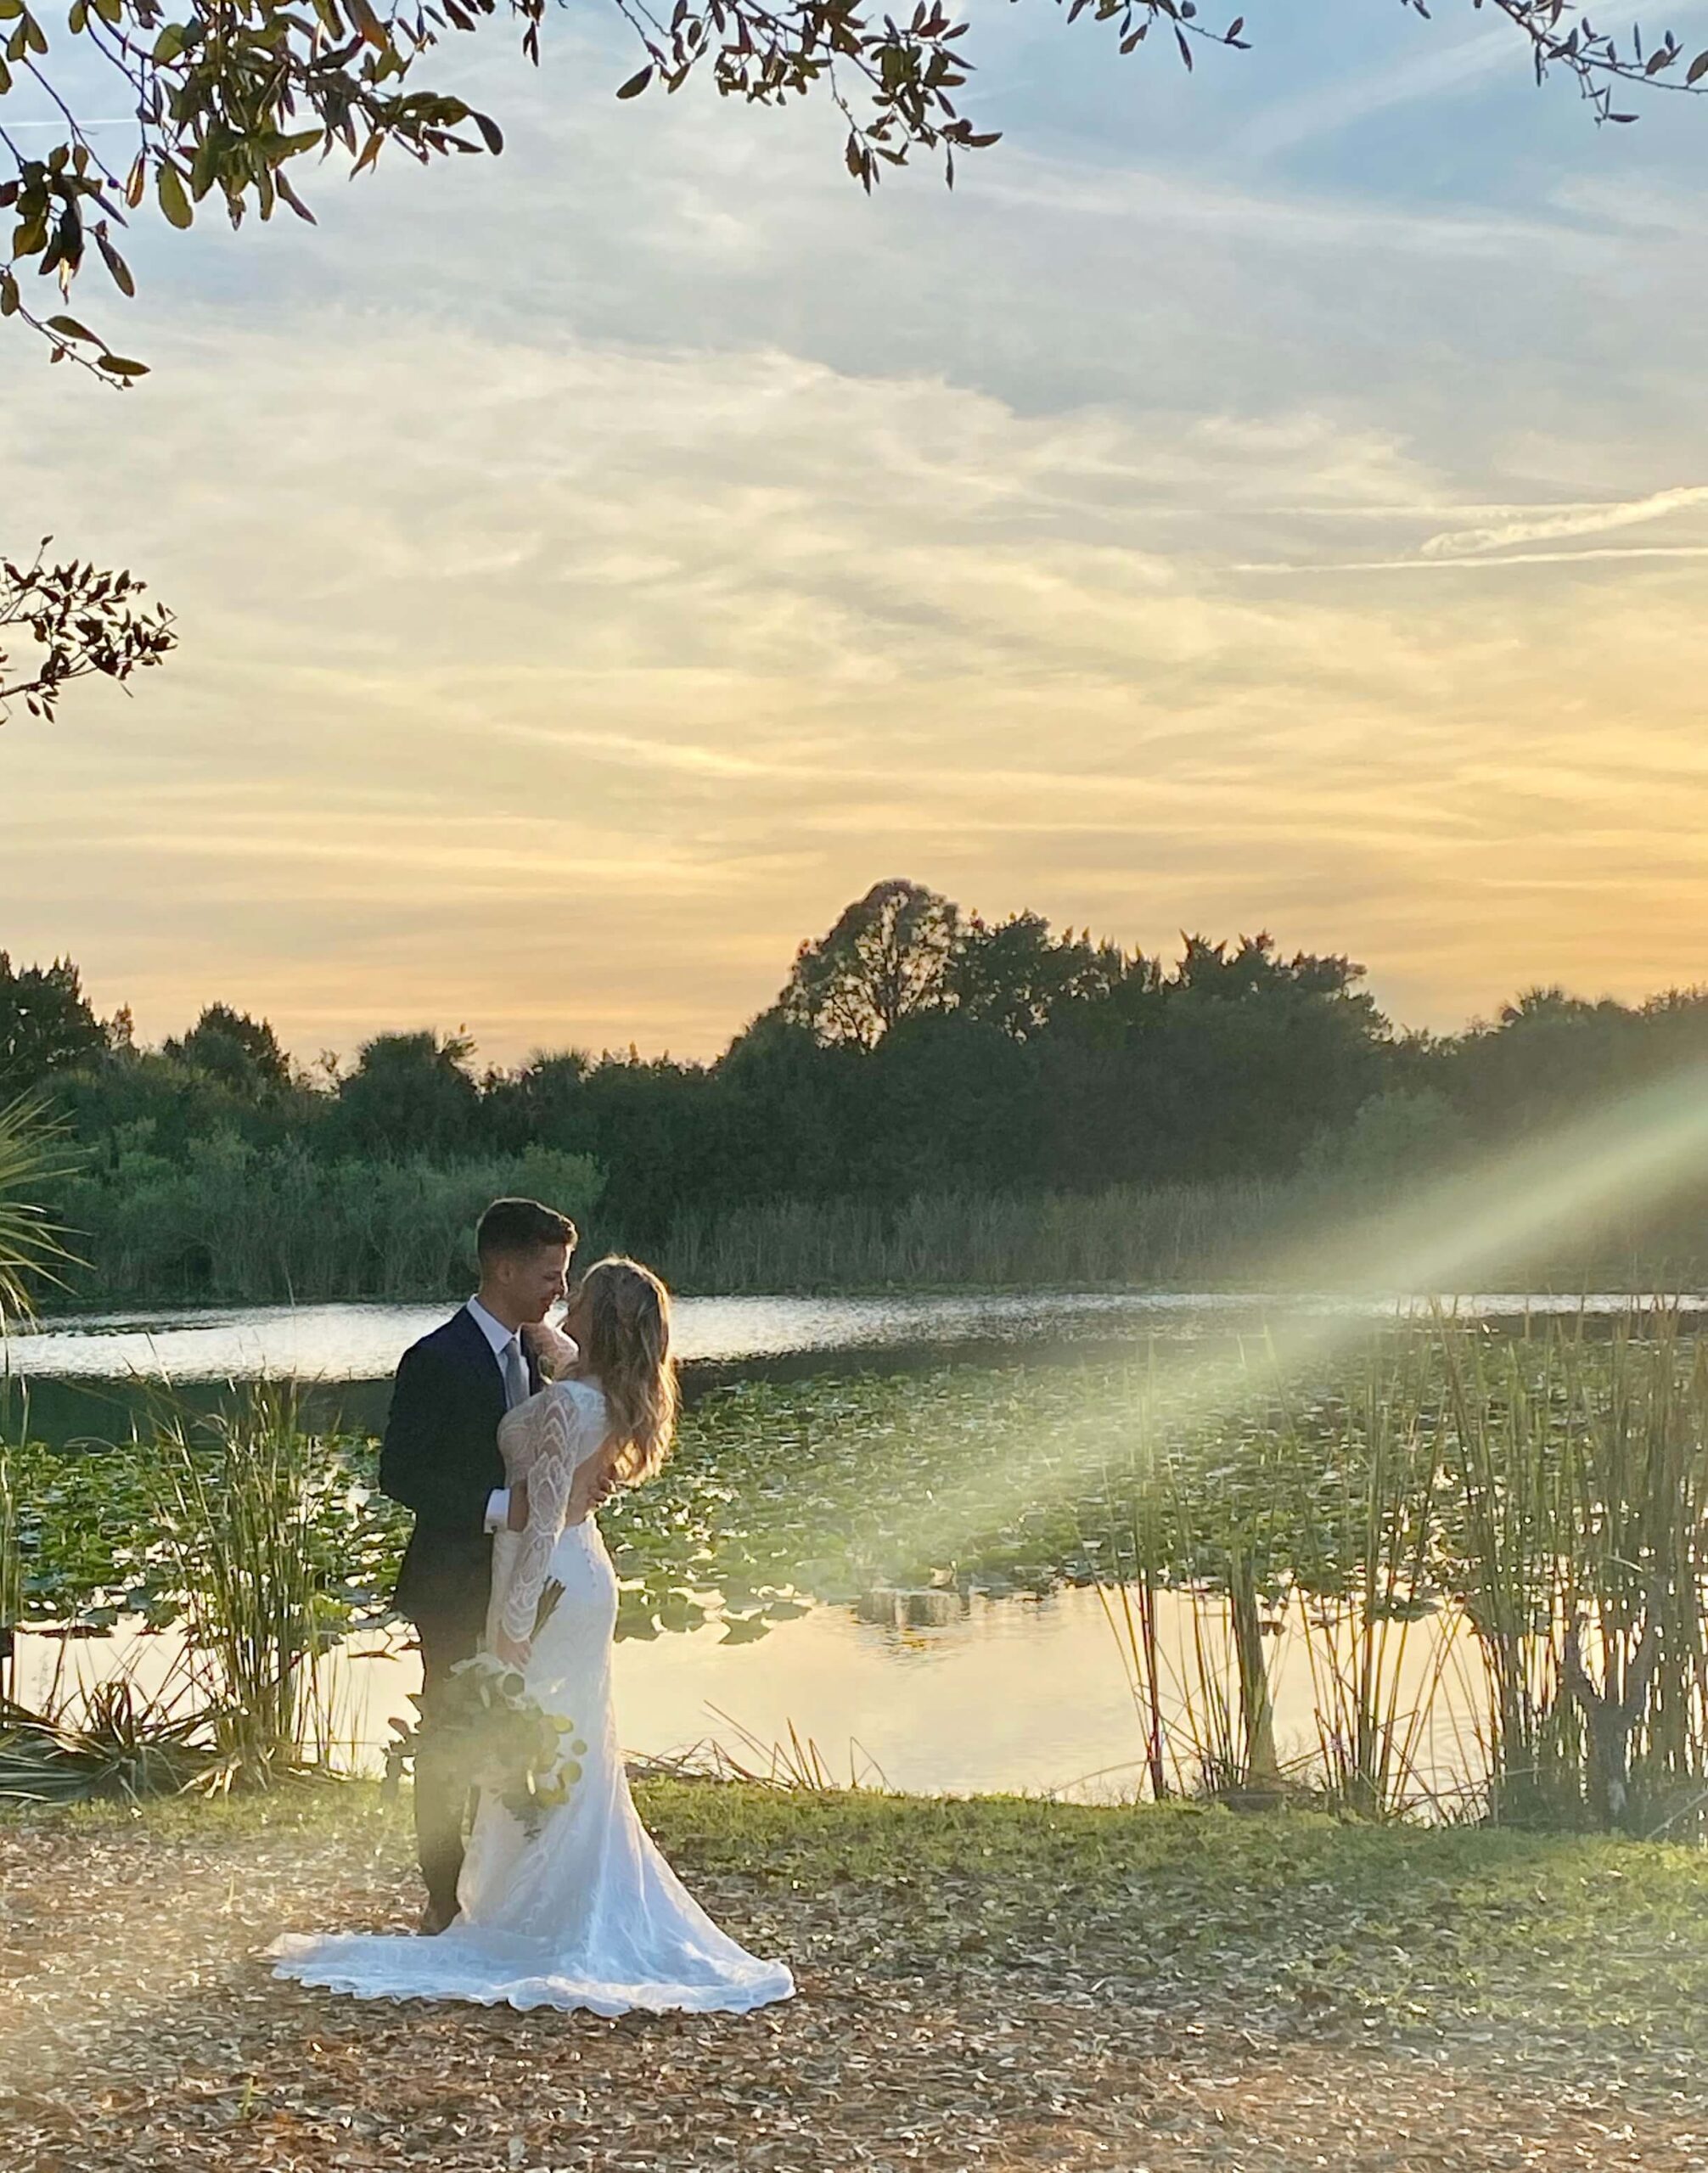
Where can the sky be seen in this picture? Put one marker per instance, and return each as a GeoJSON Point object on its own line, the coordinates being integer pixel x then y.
{"type": "Point", "coordinates": [1273, 499]}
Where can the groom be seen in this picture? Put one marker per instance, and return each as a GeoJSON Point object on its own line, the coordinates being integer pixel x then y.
{"type": "Point", "coordinates": [441, 1459]}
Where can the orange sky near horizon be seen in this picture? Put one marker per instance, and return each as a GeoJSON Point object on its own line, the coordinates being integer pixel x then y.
{"type": "Point", "coordinates": [1228, 511]}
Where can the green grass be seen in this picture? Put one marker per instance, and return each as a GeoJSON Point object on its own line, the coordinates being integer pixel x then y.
{"type": "Point", "coordinates": [1293, 1917]}
{"type": "Point", "coordinates": [1297, 1910]}
{"type": "Point", "coordinates": [1000, 1984]}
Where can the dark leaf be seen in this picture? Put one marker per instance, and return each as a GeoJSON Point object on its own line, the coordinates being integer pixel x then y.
{"type": "Point", "coordinates": [174, 203]}
{"type": "Point", "coordinates": [116, 265]}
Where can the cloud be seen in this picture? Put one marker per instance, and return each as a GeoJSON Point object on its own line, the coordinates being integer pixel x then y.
{"type": "Point", "coordinates": [603, 675]}
{"type": "Point", "coordinates": [596, 566]}
{"type": "Point", "coordinates": [1297, 221]}
{"type": "Point", "coordinates": [1421, 71]}
{"type": "Point", "coordinates": [1361, 95]}
{"type": "Point", "coordinates": [1440, 564]}
{"type": "Point", "coordinates": [1521, 525]}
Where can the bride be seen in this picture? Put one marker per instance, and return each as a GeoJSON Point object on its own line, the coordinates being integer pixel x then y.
{"type": "Point", "coordinates": [586, 1913]}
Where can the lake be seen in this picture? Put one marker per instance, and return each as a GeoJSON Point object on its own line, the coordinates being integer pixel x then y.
{"type": "Point", "coordinates": [361, 1342]}
{"type": "Point", "coordinates": [951, 1690]}
{"type": "Point", "coordinates": [998, 1696]}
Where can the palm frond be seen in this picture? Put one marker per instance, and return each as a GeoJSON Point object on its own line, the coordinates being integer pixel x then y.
{"type": "Point", "coordinates": [34, 1156]}
{"type": "Point", "coordinates": [114, 1742]}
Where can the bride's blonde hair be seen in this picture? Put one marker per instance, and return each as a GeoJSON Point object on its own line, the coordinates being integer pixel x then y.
{"type": "Point", "coordinates": [626, 1349]}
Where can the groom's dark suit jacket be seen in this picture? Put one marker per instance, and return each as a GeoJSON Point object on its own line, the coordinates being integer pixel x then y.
{"type": "Point", "coordinates": [440, 1458]}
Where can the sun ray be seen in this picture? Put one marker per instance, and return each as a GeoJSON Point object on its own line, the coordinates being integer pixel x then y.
{"type": "Point", "coordinates": [1497, 1217]}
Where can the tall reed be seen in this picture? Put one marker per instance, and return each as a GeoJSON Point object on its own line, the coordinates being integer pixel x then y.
{"type": "Point", "coordinates": [1634, 1511]}
{"type": "Point", "coordinates": [11, 1579]}
{"type": "Point", "coordinates": [1490, 1553]}
{"type": "Point", "coordinates": [245, 1518]}
{"type": "Point", "coordinates": [239, 1225]}
{"type": "Point", "coordinates": [1177, 1234]}
{"type": "Point", "coordinates": [1191, 1585]}
{"type": "Point", "coordinates": [1132, 1558]}
{"type": "Point", "coordinates": [1367, 1569]}
{"type": "Point", "coordinates": [1268, 1232]}
{"type": "Point", "coordinates": [1504, 1547]}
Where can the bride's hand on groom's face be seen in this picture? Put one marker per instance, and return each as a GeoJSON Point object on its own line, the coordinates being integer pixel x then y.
{"type": "Point", "coordinates": [553, 1352]}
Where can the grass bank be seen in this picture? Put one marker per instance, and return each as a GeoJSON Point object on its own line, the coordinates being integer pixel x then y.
{"type": "Point", "coordinates": [995, 1983]}
{"type": "Point", "coordinates": [1125, 1237]}
{"type": "Point", "coordinates": [239, 1226]}
{"type": "Point", "coordinates": [1325, 1227]}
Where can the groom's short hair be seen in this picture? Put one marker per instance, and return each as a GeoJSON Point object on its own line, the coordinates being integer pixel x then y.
{"type": "Point", "coordinates": [519, 1225]}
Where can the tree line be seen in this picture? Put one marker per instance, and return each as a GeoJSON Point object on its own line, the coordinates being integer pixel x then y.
{"type": "Point", "coordinates": [913, 1049]}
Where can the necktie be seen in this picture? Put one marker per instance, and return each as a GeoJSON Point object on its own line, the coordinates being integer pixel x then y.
{"type": "Point", "coordinates": [515, 1374]}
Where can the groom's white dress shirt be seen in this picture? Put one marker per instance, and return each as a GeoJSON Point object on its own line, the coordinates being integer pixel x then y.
{"type": "Point", "coordinates": [504, 1340]}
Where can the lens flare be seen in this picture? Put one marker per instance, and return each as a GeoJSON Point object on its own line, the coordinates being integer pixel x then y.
{"type": "Point", "coordinates": [1503, 1215]}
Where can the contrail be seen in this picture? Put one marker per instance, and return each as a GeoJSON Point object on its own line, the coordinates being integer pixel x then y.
{"type": "Point", "coordinates": [1519, 527]}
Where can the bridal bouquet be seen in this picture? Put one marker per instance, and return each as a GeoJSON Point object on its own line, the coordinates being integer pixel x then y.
{"type": "Point", "coordinates": [508, 1743]}
{"type": "Point", "coordinates": [504, 1741]}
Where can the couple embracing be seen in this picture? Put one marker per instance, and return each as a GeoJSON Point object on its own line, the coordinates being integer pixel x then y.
{"type": "Point", "coordinates": [505, 1436]}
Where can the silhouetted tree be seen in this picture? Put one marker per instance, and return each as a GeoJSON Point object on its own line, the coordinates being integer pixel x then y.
{"type": "Point", "coordinates": [46, 1025]}
{"type": "Point", "coordinates": [886, 959]}
{"type": "Point", "coordinates": [948, 1105]}
{"type": "Point", "coordinates": [229, 1044]}
{"type": "Point", "coordinates": [789, 1111]}
{"type": "Point", "coordinates": [409, 1094]}
{"type": "Point", "coordinates": [1549, 1053]}
{"type": "Point", "coordinates": [649, 1134]}
{"type": "Point", "coordinates": [1254, 1054]}
{"type": "Point", "coordinates": [914, 1049]}
{"type": "Point", "coordinates": [1016, 975]}
{"type": "Point", "coordinates": [544, 1103]}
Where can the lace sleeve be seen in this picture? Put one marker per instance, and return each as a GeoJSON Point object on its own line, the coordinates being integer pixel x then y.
{"type": "Point", "coordinates": [565, 1438]}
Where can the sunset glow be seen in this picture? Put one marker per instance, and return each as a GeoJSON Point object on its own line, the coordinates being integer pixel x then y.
{"type": "Point", "coordinates": [1271, 500]}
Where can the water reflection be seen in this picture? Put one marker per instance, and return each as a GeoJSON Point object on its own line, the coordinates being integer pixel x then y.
{"type": "Point", "coordinates": [941, 1692]}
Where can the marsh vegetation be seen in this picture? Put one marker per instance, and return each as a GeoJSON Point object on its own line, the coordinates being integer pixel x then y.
{"type": "Point", "coordinates": [1487, 1551]}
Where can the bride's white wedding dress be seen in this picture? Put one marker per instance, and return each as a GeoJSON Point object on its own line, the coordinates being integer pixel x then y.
{"type": "Point", "coordinates": [587, 1913]}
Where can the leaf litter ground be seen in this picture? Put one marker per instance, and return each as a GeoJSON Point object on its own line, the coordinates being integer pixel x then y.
{"type": "Point", "coordinates": [985, 1984]}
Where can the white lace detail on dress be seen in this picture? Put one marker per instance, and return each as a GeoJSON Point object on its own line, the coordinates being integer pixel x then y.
{"type": "Point", "coordinates": [543, 1440]}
